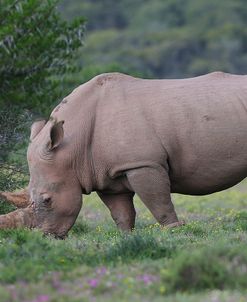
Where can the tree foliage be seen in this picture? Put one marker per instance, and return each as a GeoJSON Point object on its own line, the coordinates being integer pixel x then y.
{"type": "Point", "coordinates": [36, 50]}
{"type": "Point", "coordinates": [36, 44]}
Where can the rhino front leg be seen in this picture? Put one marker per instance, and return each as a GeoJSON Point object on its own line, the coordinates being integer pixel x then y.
{"type": "Point", "coordinates": [122, 209]}
{"type": "Point", "coordinates": [153, 187]}
{"type": "Point", "coordinates": [19, 199]}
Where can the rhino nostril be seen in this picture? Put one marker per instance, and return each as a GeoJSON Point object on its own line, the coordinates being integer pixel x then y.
{"type": "Point", "coordinates": [47, 200]}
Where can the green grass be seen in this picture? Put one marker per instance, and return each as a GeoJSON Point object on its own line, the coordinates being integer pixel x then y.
{"type": "Point", "coordinates": [205, 260]}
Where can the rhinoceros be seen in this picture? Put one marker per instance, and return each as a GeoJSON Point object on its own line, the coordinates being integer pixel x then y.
{"type": "Point", "coordinates": [119, 136]}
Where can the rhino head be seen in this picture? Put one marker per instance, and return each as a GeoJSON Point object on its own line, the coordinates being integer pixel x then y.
{"type": "Point", "coordinates": [54, 190]}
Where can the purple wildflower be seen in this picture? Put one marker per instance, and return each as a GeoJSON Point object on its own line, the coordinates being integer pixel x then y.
{"type": "Point", "coordinates": [61, 290]}
{"type": "Point", "coordinates": [101, 271]}
{"type": "Point", "coordinates": [13, 293]}
{"type": "Point", "coordinates": [93, 283]}
{"type": "Point", "coordinates": [147, 279]}
{"type": "Point", "coordinates": [42, 298]}
{"type": "Point", "coordinates": [55, 282]}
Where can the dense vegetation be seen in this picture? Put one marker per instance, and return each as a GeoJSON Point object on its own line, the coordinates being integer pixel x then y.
{"type": "Point", "coordinates": [206, 260]}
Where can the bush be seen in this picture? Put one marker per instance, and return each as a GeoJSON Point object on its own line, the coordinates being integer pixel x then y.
{"type": "Point", "coordinates": [13, 166]}
{"type": "Point", "coordinates": [223, 266]}
{"type": "Point", "coordinates": [35, 45]}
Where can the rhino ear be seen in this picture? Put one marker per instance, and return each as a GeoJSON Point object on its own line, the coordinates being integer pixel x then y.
{"type": "Point", "coordinates": [36, 128]}
{"type": "Point", "coordinates": [56, 135]}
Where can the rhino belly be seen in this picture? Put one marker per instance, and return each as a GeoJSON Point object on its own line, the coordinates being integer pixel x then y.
{"type": "Point", "coordinates": [210, 179]}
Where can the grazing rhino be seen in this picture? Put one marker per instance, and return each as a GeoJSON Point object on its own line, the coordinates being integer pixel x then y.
{"type": "Point", "coordinates": [118, 135]}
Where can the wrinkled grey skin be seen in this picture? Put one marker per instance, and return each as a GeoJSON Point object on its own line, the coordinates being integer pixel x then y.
{"type": "Point", "coordinates": [120, 135]}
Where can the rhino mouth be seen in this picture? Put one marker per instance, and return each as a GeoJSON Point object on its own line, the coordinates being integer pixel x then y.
{"type": "Point", "coordinates": [56, 236]}
{"type": "Point", "coordinates": [60, 237]}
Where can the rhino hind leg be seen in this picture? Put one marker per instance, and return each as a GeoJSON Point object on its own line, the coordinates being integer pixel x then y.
{"type": "Point", "coordinates": [19, 199]}
{"type": "Point", "coordinates": [122, 209]}
{"type": "Point", "coordinates": [152, 185]}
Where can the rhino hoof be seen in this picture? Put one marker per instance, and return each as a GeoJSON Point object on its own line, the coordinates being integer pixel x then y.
{"type": "Point", "coordinates": [175, 224]}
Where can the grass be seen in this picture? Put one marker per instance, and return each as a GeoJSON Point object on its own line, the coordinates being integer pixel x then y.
{"type": "Point", "coordinates": [205, 260]}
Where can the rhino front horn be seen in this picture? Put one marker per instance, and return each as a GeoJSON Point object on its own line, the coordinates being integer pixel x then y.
{"type": "Point", "coordinates": [18, 219]}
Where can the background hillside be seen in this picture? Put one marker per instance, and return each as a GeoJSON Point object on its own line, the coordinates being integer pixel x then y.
{"type": "Point", "coordinates": [161, 39]}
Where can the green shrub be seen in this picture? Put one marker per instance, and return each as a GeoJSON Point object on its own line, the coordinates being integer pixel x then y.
{"type": "Point", "coordinates": [138, 246]}
{"type": "Point", "coordinates": [35, 44]}
{"type": "Point", "coordinates": [221, 266]}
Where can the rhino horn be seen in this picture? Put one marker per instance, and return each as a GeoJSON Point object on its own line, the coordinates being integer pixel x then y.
{"type": "Point", "coordinates": [19, 199]}
{"type": "Point", "coordinates": [19, 218]}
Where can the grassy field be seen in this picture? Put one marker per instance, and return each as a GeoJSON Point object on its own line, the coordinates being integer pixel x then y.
{"type": "Point", "coordinates": [206, 260]}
